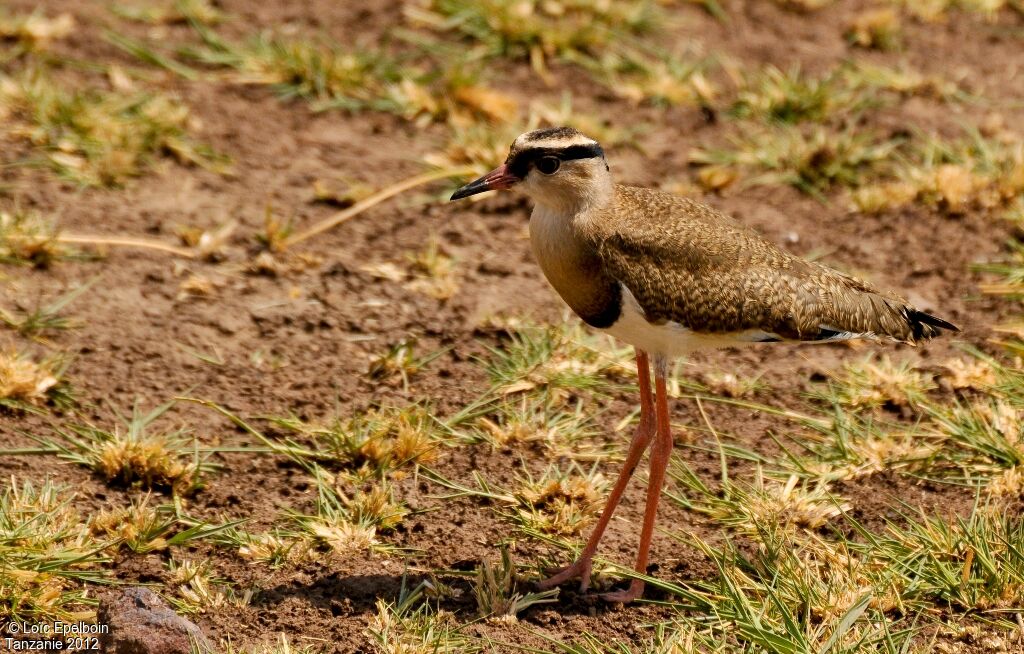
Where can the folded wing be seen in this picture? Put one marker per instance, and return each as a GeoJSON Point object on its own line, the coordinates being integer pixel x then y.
{"type": "Point", "coordinates": [692, 265]}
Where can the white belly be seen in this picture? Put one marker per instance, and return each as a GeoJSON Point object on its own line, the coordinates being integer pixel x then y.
{"type": "Point", "coordinates": [670, 339]}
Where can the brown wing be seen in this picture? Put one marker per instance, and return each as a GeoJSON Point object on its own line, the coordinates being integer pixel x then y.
{"type": "Point", "coordinates": [687, 263]}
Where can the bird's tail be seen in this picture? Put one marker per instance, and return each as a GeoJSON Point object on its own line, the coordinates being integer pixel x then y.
{"type": "Point", "coordinates": [858, 310]}
{"type": "Point", "coordinates": [924, 325]}
{"type": "Point", "coordinates": [890, 317]}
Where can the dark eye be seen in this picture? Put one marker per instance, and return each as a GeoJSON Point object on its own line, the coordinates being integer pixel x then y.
{"type": "Point", "coordinates": [548, 165]}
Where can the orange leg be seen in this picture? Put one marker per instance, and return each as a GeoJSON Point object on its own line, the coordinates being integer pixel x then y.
{"type": "Point", "coordinates": [659, 463]}
{"type": "Point", "coordinates": [641, 440]}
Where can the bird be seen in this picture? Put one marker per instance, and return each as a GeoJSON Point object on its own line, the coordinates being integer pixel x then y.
{"type": "Point", "coordinates": [672, 276]}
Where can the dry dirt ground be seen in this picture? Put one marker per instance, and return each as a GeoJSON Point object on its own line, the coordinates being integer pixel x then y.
{"type": "Point", "coordinates": [299, 340]}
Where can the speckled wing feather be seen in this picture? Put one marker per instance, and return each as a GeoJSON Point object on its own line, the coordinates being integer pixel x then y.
{"type": "Point", "coordinates": [687, 263]}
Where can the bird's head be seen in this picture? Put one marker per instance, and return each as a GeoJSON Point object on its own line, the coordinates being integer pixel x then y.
{"type": "Point", "coordinates": [558, 167]}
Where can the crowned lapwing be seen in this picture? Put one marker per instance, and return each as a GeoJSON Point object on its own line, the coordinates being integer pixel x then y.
{"type": "Point", "coordinates": [671, 276]}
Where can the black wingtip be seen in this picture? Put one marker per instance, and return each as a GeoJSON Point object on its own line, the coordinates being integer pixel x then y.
{"type": "Point", "coordinates": [925, 325]}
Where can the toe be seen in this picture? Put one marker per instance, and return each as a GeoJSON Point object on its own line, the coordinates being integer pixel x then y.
{"type": "Point", "coordinates": [618, 597]}
{"type": "Point", "coordinates": [554, 580]}
{"type": "Point", "coordinates": [548, 584]}
{"type": "Point", "coordinates": [626, 595]}
{"type": "Point", "coordinates": [580, 568]}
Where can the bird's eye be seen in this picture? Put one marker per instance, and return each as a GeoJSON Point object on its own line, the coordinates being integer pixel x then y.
{"type": "Point", "coordinates": [548, 165]}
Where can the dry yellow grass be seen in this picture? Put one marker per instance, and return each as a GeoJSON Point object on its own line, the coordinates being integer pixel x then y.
{"type": "Point", "coordinates": [397, 438]}
{"type": "Point", "coordinates": [559, 505]}
{"type": "Point", "coordinates": [941, 10]}
{"type": "Point", "coordinates": [45, 553]}
{"type": "Point", "coordinates": [24, 380]}
{"type": "Point", "coordinates": [1009, 484]}
{"type": "Point", "coordinates": [883, 381]}
{"type": "Point", "coordinates": [376, 506]}
{"type": "Point", "coordinates": [276, 549]}
{"type": "Point", "coordinates": [30, 238]}
{"type": "Point", "coordinates": [790, 505]}
{"type": "Point", "coordinates": [35, 31]}
{"type": "Point", "coordinates": [804, 5]}
{"type": "Point", "coordinates": [137, 526]}
{"type": "Point", "coordinates": [165, 12]}
{"type": "Point", "coordinates": [892, 450]}
{"type": "Point", "coordinates": [434, 271]}
{"type": "Point", "coordinates": [198, 591]}
{"type": "Point", "coordinates": [973, 374]}
{"type": "Point", "coordinates": [953, 178]}
{"type": "Point", "coordinates": [97, 137]}
{"type": "Point", "coordinates": [345, 538]}
{"type": "Point", "coordinates": [456, 100]}
{"type": "Point", "coordinates": [149, 461]}
{"type": "Point", "coordinates": [534, 29]}
{"type": "Point", "coordinates": [875, 28]}
{"type": "Point", "coordinates": [133, 454]}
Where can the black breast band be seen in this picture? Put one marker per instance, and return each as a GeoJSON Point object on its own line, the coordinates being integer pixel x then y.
{"type": "Point", "coordinates": [605, 316]}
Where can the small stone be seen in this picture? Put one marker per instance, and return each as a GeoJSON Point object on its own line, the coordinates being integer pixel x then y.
{"type": "Point", "coordinates": [496, 267]}
{"type": "Point", "coordinates": [139, 622]}
{"type": "Point", "coordinates": [230, 323]}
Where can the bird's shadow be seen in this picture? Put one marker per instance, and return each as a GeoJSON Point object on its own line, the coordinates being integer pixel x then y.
{"type": "Point", "coordinates": [343, 594]}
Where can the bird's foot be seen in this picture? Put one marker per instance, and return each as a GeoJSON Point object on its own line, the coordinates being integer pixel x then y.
{"type": "Point", "coordinates": [626, 595]}
{"type": "Point", "coordinates": [581, 568]}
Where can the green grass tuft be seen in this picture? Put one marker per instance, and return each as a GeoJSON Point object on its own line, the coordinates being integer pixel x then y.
{"type": "Point", "coordinates": [45, 554]}
{"type": "Point", "coordinates": [814, 160]}
{"type": "Point", "coordinates": [538, 30]}
{"type": "Point", "coordinates": [324, 73]}
{"type": "Point", "coordinates": [27, 384]}
{"type": "Point", "coordinates": [101, 138]}
{"type": "Point", "coordinates": [29, 238]}
{"type": "Point", "coordinates": [133, 454]}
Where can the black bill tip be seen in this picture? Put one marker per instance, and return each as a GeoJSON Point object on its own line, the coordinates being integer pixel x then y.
{"type": "Point", "coordinates": [474, 187]}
